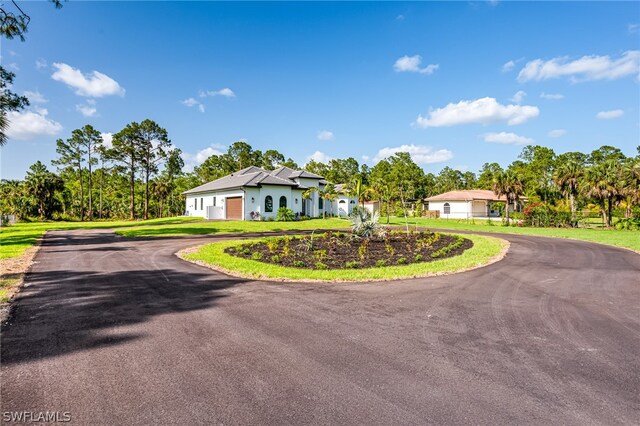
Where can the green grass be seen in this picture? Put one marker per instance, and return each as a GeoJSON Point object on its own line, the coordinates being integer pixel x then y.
{"type": "Point", "coordinates": [200, 228]}
{"type": "Point", "coordinates": [17, 238]}
{"type": "Point", "coordinates": [483, 250]}
{"type": "Point", "coordinates": [5, 285]}
{"type": "Point", "coordinates": [613, 237]}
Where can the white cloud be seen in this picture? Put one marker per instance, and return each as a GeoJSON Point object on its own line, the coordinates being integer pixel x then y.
{"type": "Point", "coordinates": [366, 158]}
{"type": "Point", "coordinates": [508, 66]}
{"type": "Point", "coordinates": [191, 102]}
{"type": "Point", "coordinates": [325, 135]}
{"type": "Point", "coordinates": [507, 138]}
{"type": "Point", "coordinates": [583, 69]}
{"type": "Point", "coordinates": [320, 157]}
{"type": "Point", "coordinates": [192, 160]}
{"type": "Point", "coordinates": [421, 154]}
{"type": "Point", "coordinates": [88, 110]}
{"type": "Point", "coordinates": [557, 133]}
{"type": "Point", "coordinates": [26, 125]}
{"type": "Point", "coordinates": [41, 64]}
{"type": "Point", "coordinates": [479, 111]}
{"type": "Point", "coordinates": [608, 115]}
{"type": "Point", "coordinates": [552, 96]}
{"type": "Point", "coordinates": [633, 28]}
{"type": "Point", "coordinates": [95, 84]}
{"type": "Point", "coordinates": [14, 66]}
{"type": "Point", "coordinates": [35, 97]}
{"type": "Point", "coordinates": [400, 18]}
{"type": "Point", "coordinates": [107, 140]}
{"type": "Point", "coordinates": [226, 92]}
{"type": "Point", "coordinates": [519, 96]}
{"type": "Point", "coordinates": [412, 64]}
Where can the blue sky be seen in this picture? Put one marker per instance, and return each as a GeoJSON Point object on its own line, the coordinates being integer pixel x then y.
{"type": "Point", "coordinates": [455, 83]}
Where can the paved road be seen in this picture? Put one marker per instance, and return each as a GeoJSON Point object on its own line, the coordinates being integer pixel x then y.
{"type": "Point", "coordinates": [122, 332]}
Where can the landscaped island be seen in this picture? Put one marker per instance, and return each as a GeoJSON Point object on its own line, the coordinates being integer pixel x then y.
{"type": "Point", "coordinates": [340, 250]}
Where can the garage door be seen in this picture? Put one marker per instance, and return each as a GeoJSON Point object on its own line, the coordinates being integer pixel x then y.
{"type": "Point", "coordinates": [234, 208]}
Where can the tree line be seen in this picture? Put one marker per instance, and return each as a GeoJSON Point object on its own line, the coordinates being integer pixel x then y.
{"type": "Point", "coordinates": [140, 175]}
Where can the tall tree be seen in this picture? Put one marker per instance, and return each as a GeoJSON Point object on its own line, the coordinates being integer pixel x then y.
{"type": "Point", "coordinates": [72, 153]}
{"type": "Point", "coordinates": [128, 148]}
{"type": "Point", "coordinates": [154, 143]}
{"type": "Point", "coordinates": [42, 185]}
{"type": "Point", "coordinates": [9, 101]}
{"type": "Point", "coordinates": [602, 182]}
{"type": "Point", "coordinates": [508, 184]}
{"type": "Point", "coordinates": [272, 159]}
{"type": "Point", "coordinates": [487, 173]}
{"type": "Point", "coordinates": [631, 184]}
{"type": "Point", "coordinates": [567, 177]}
{"type": "Point", "coordinates": [91, 141]}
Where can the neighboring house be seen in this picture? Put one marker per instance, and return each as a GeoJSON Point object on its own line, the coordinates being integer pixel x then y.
{"type": "Point", "coordinates": [466, 204]}
{"type": "Point", "coordinates": [253, 193]}
{"type": "Point", "coordinates": [372, 206]}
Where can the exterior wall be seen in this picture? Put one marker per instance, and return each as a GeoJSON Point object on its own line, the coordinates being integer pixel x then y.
{"type": "Point", "coordinates": [251, 202]}
{"type": "Point", "coordinates": [372, 206]}
{"type": "Point", "coordinates": [193, 203]}
{"type": "Point", "coordinates": [459, 209]}
{"type": "Point", "coordinates": [276, 192]}
{"type": "Point", "coordinates": [342, 205]}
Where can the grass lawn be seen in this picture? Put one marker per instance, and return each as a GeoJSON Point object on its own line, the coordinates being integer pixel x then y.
{"type": "Point", "coordinates": [484, 250]}
{"type": "Point", "coordinates": [5, 287]}
{"type": "Point", "coordinates": [627, 239]}
{"type": "Point", "coordinates": [15, 239]}
{"type": "Point", "coordinates": [200, 228]}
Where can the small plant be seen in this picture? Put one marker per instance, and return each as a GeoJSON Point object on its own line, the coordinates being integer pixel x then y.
{"type": "Point", "coordinates": [352, 264]}
{"type": "Point", "coordinates": [255, 216]}
{"type": "Point", "coordinates": [246, 251]}
{"type": "Point", "coordinates": [286, 246]}
{"type": "Point", "coordinates": [362, 250]}
{"type": "Point", "coordinates": [307, 243]}
{"type": "Point", "coordinates": [272, 245]}
{"type": "Point", "coordinates": [402, 261]}
{"type": "Point", "coordinates": [364, 224]}
{"type": "Point", "coordinates": [320, 254]}
{"type": "Point", "coordinates": [256, 255]}
{"type": "Point", "coordinates": [285, 215]}
{"type": "Point", "coordinates": [320, 265]}
{"type": "Point", "coordinates": [275, 258]}
{"type": "Point", "coordinates": [418, 258]}
{"type": "Point", "coordinates": [388, 247]}
{"type": "Point", "coordinates": [298, 263]}
{"type": "Point", "coordinates": [380, 263]}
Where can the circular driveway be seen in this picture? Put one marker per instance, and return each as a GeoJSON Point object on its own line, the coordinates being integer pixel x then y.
{"type": "Point", "coordinates": [121, 331]}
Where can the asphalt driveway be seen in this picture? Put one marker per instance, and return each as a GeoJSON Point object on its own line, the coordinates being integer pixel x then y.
{"type": "Point", "coordinates": [116, 331]}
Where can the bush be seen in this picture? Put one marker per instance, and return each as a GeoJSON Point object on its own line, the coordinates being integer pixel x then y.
{"type": "Point", "coordinates": [298, 263]}
{"type": "Point", "coordinates": [365, 225]}
{"type": "Point", "coordinates": [353, 264]}
{"type": "Point", "coordinates": [380, 263]}
{"type": "Point", "coordinates": [629, 224]}
{"type": "Point", "coordinates": [285, 215]}
{"type": "Point", "coordinates": [402, 261]}
{"type": "Point", "coordinates": [256, 255]}
{"type": "Point", "coordinates": [320, 265]}
{"type": "Point", "coordinates": [418, 258]}
{"type": "Point", "coordinates": [275, 258]}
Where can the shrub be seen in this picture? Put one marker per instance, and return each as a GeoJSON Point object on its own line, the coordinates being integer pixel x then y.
{"type": "Point", "coordinates": [364, 224]}
{"type": "Point", "coordinates": [245, 250]}
{"type": "Point", "coordinates": [298, 263]}
{"type": "Point", "coordinates": [272, 245]}
{"type": "Point", "coordinates": [256, 255]}
{"type": "Point", "coordinates": [285, 215]}
{"type": "Point", "coordinates": [275, 258]}
{"type": "Point", "coordinates": [352, 264]}
{"type": "Point", "coordinates": [320, 254]}
{"type": "Point", "coordinates": [418, 258]}
{"type": "Point", "coordinates": [380, 263]}
{"type": "Point", "coordinates": [320, 265]}
{"type": "Point", "coordinates": [402, 261]}
{"type": "Point", "coordinates": [629, 224]}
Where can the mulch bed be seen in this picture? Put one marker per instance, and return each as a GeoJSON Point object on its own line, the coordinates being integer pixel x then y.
{"type": "Point", "coordinates": [339, 250]}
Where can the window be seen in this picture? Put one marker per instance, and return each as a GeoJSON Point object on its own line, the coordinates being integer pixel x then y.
{"type": "Point", "coordinates": [446, 208]}
{"type": "Point", "coordinates": [214, 201]}
{"type": "Point", "coordinates": [283, 201]}
{"type": "Point", "coordinates": [268, 204]}
{"type": "Point", "coordinates": [201, 203]}
{"type": "Point", "coordinates": [320, 203]}
{"type": "Point", "coordinates": [341, 202]}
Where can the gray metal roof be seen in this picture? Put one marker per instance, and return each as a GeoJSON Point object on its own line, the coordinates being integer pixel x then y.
{"type": "Point", "coordinates": [248, 177]}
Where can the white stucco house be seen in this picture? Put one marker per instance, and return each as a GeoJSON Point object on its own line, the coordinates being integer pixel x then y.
{"type": "Point", "coordinates": [253, 193]}
{"type": "Point", "coordinates": [467, 204]}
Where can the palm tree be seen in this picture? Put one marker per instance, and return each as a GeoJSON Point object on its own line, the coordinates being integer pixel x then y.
{"type": "Point", "coordinates": [602, 182]}
{"type": "Point", "coordinates": [329, 194]}
{"type": "Point", "coordinates": [508, 184]}
{"type": "Point", "coordinates": [631, 185]}
{"type": "Point", "coordinates": [307, 195]}
{"type": "Point", "coordinates": [357, 189]}
{"type": "Point", "coordinates": [567, 178]}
